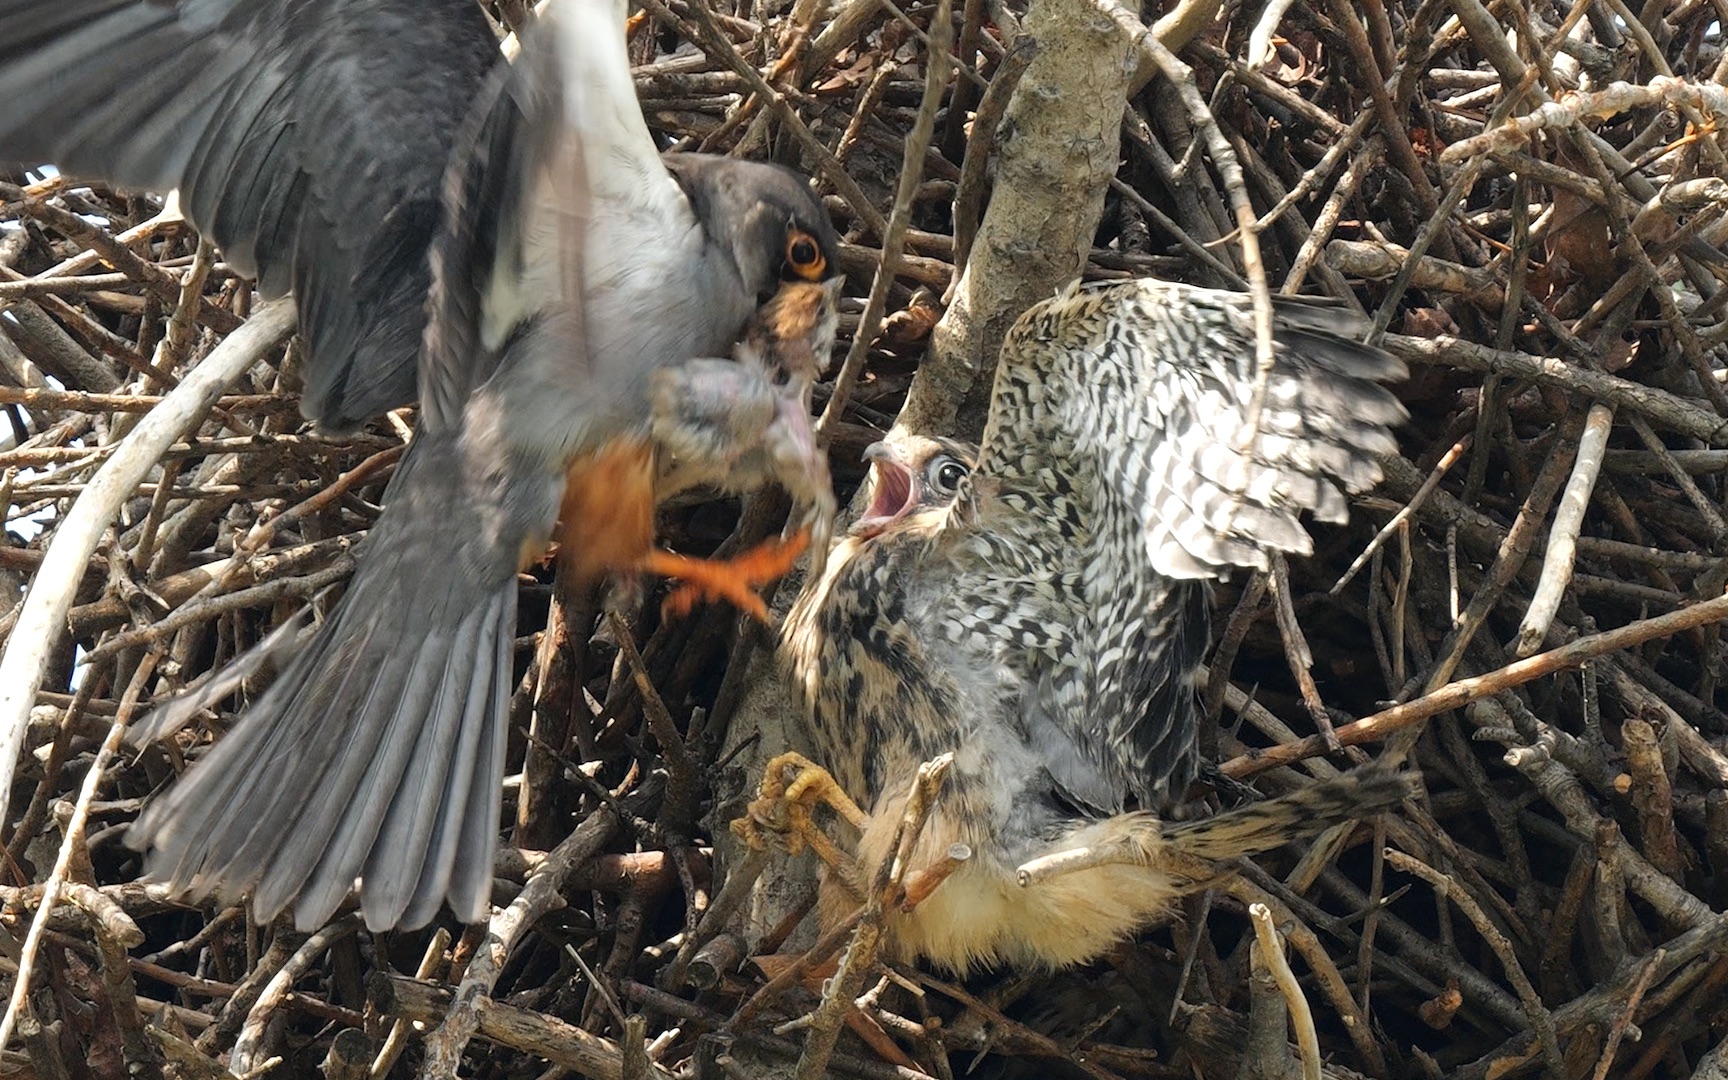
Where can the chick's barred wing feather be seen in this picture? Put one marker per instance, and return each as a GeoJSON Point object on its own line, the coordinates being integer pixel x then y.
{"type": "Point", "coordinates": [1118, 420]}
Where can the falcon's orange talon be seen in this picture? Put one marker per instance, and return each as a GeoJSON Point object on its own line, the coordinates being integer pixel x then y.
{"type": "Point", "coordinates": [734, 580]}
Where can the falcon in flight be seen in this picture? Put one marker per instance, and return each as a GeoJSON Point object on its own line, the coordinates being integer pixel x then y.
{"type": "Point", "coordinates": [505, 241]}
{"type": "Point", "coordinates": [1037, 609]}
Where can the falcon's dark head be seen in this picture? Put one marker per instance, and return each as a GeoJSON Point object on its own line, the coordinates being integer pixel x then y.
{"type": "Point", "coordinates": [910, 474]}
{"type": "Point", "coordinates": [764, 216]}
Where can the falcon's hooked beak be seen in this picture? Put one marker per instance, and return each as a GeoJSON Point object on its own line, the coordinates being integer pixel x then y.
{"type": "Point", "coordinates": [894, 489]}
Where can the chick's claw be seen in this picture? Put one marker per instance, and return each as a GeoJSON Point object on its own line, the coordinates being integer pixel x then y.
{"type": "Point", "coordinates": [734, 580]}
{"type": "Point", "coordinates": [792, 785]}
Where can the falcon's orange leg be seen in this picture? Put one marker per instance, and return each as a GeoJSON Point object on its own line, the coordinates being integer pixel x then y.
{"type": "Point", "coordinates": [735, 579]}
{"type": "Point", "coordinates": [609, 500]}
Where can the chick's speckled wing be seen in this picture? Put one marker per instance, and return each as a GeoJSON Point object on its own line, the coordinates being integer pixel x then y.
{"type": "Point", "coordinates": [1115, 451]}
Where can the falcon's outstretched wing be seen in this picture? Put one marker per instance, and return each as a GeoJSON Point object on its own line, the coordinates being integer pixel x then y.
{"type": "Point", "coordinates": [1116, 444]}
{"type": "Point", "coordinates": [573, 269]}
{"type": "Point", "coordinates": [308, 140]}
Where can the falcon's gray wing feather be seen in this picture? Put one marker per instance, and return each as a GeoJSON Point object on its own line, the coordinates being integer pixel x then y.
{"type": "Point", "coordinates": [1115, 443]}
{"type": "Point", "coordinates": [483, 192]}
{"type": "Point", "coordinates": [308, 139]}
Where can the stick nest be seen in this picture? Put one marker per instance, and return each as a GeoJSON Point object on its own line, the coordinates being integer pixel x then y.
{"type": "Point", "coordinates": [1528, 197]}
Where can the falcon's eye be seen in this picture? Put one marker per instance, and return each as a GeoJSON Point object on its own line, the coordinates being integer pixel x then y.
{"type": "Point", "coordinates": [804, 255]}
{"type": "Point", "coordinates": [946, 473]}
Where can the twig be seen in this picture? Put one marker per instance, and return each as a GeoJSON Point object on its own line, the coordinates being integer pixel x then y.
{"type": "Point", "coordinates": [541, 893]}
{"type": "Point", "coordinates": [349, 1056]}
{"type": "Point", "coordinates": [1307, 944]}
{"type": "Point", "coordinates": [1269, 952]}
{"type": "Point", "coordinates": [1007, 1035]}
{"type": "Point", "coordinates": [683, 780]}
{"type": "Point", "coordinates": [1441, 468]}
{"type": "Point", "coordinates": [1383, 262]}
{"type": "Point", "coordinates": [1607, 1001]}
{"type": "Point", "coordinates": [244, 1057]}
{"type": "Point", "coordinates": [969, 191]}
{"type": "Point", "coordinates": [1622, 1022]}
{"type": "Point", "coordinates": [197, 611]}
{"type": "Point", "coordinates": [1667, 410]}
{"type": "Point", "coordinates": [547, 1037]}
{"type": "Point", "coordinates": [84, 401]}
{"type": "Point", "coordinates": [119, 256]}
{"type": "Point", "coordinates": [1296, 652]}
{"type": "Point", "coordinates": [1464, 691]}
{"type": "Point", "coordinates": [397, 1038]}
{"type": "Point", "coordinates": [1652, 795]}
{"type": "Point", "coordinates": [860, 955]}
{"type": "Point", "coordinates": [740, 880]}
{"type": "Point", "coordinates": [1707, 509]}
{"type": "Point", "coordinates": [1563, 537]}
{"type": "Point", "coordinates": [936, 61]}
{"type": "Point", "coordinates": [1509, 559]}
{"type": "Point", "coordinates": [1604, 104]}
{"type": "Point", "coordinates": [38, 630]}
{"type": "Point", "coordinates": [114, 933]}
{"type": "Point", "coordinates": [663, 1002]}
{"type": "Point", "coordinates": [72, 847]}
{"type": "Point", "coordinates": [1540, 1019]}
{"type": "Point", "coordinates": [1433, 231]}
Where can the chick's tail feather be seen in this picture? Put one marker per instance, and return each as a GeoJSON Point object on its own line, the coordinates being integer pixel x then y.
{"type": "Point", "coordinates": [1262, 826]}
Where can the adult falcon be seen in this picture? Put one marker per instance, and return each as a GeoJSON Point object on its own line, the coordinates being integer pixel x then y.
{"type": "Point", "coordinates": [507, 238]}
{"type": "Point", "coordinates": [1039, 611]}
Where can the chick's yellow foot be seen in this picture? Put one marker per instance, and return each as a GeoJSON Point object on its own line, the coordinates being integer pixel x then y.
{"type": "Point", "coordinates": [792, 785]}
{"type": "Point", "coordinates": [734, 580]}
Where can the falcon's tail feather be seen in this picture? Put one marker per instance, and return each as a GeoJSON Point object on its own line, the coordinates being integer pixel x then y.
{"type": "Point", "coordinates": [296, 807]}
{"type": "Point", "coordinates": [377, 754]}
{"type": "Point", "coordinates": [1263, 826]}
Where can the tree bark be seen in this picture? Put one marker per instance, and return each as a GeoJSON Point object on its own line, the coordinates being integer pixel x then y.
{"type": "Point", "coordinates": [1058, 146]}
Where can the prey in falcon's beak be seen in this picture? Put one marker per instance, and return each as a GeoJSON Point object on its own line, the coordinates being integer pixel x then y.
{"type": "Point", "coordinates": [734, 425]}
{"type": "Point", "coordinates": [790, 340]}
{"type": "Point", "coordinates": [791, 336]}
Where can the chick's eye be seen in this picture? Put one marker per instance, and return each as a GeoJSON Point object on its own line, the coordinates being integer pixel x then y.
{"type": "Point", "coordinates": [804, 255]}
{"type": "Point", "coordinates": [946, 474]}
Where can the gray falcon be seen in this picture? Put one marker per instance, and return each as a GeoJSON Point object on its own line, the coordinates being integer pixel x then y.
{"type": "Point", "coordinates": [584, 293]}
{"type": "Point", "coordinates": [1039, 614]}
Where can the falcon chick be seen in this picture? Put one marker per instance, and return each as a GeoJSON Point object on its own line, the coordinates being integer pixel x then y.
{"type": "Point", "coordinates": [1038, 611]}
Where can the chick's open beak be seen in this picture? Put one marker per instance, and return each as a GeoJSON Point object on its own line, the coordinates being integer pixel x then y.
{"type": "Point", "coordinates": [894, 490]}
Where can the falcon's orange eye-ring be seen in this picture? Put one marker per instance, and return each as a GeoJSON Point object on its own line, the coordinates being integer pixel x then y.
{"type": "Point", "coordinates": [804, 255]}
